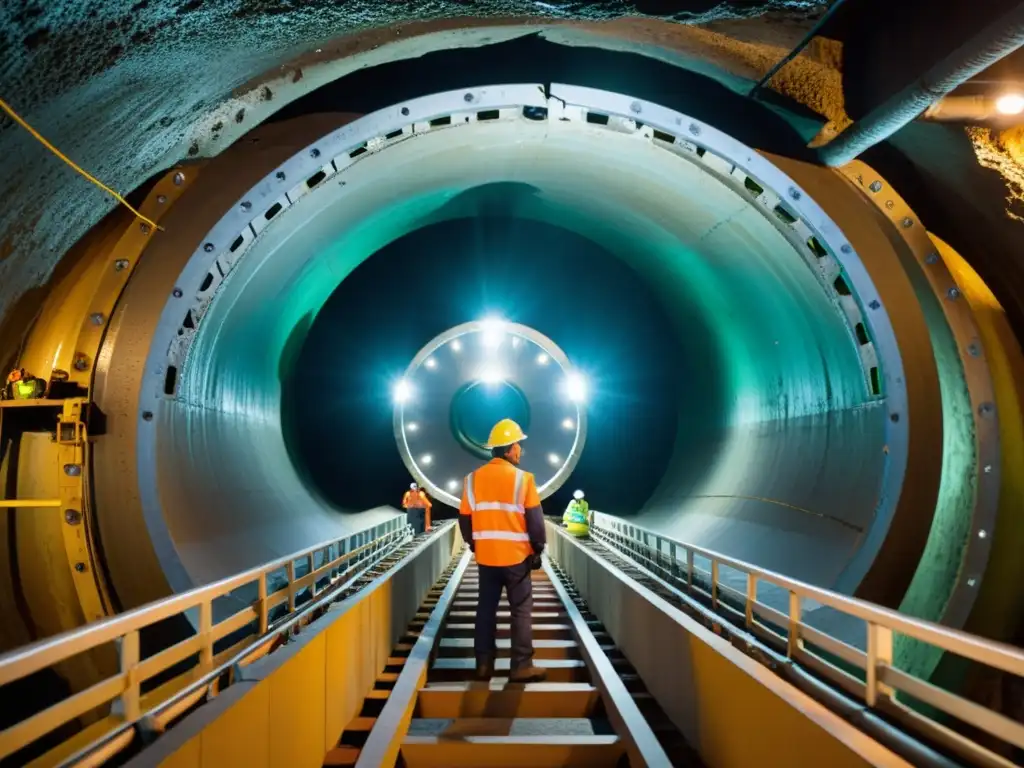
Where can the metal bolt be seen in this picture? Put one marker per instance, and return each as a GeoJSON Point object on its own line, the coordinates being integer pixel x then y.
{"type": "Point", "coordinates": [405, 111]}
{"type": "Point", "coordinates": [144, 228]}
{"type": "Point", "coordinates": [987, 469]}
{"type": "Point", "coordinates": [973, 349]}
{"type": "Point", "coordinates": [874, 304]}
{"type": "Point", "coordinates": [894, 417]}
{"type": "Point", "coordinates": [246, 205]}
{"type": "Point", "coordinates": [846, 248]}
{"type": "Point", "coordinates": [208, 247]}
{"type": "Point", "coordinates": [177, 293]}
{"type": "Point", "coordinates": [72, 516]}
{"type": "Point", "coordinates": [80, 567]}
{"type": "Point", "coordinates": [96, 318]}
{"type": "Point", "coordinates": [986, 409]}
{"type": "Point", "coordinates": [636, 107]}
{"type": "Point", "coordinates": [971, 582]}
{"type": "Point", "coordinates": [314, 152]}
{"type": "Point", "coordinates": [695, 129]}
{"type": "Point", "coordinates": [121, 264]}
{"type": "Point", "coordinates": [81, 362]}
{"type": "Point", "coordinates": [876, 186]}
{"type": "Point", "coordinates": [179, 179]}
{"type": "Point", "coordinates": [953, 293]}
{"type": "Point", "coordinates": [468, 98]}
{"type": "Point", "coordinates": [161, 199]}
{"type": "Point", "coordinates": [890, 204]}
{"type": "Point", "coordinates": [794, 193]}
{"type": "Point", "coordinates": [280, 176]}
{"type": "Point", "coordinates": [982, 534]}
{"type": "Point", "coordinates": [931, 258]}
{"type": "Point", "coordinates": [72, 470]}
{"type": "Point", "coordinates": [907, 222]}
{"type": "Point", "coordinates": [147, 415]}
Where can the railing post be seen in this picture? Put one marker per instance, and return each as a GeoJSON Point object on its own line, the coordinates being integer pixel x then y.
{"type": "Point", "coordinates": [751, 599]}
{"type": "Point", "coordinates": [206, 636]}
{"type": "Point", "coordinates": [689, 568]}
{"type": "Point", "coordinates": [262, 609]}
{"type": "Point", "coordinates": [130, 656]}
{"type": "Point", "coordinates": [290, 572]}
{"type": "Point", "coordinates": [674, 557]}
{"type": "Point", "coordinates": [794, 642]}
{"type": "Point", "coordinates": [714, 584]}
{"type": "Point", "coordinates": [879, 657]}
{"type": "Point", "coordinates": [312, 567]}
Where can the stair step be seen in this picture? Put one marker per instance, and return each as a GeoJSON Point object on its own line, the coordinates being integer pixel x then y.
{"type": "Point", "coordinates": [472, 699]}
{"type": "Point", "coordinates": [512, 751]}
{"type": "Point", "coordinates": [543, 649]}
{"type": "Point", "coordinates": [559, 670]}
{"type": "Point", "coordinates": [464, 615]}
{"type": "Point", "coordinates": [342, 756]}
{"type": "Point", "coordinates": [540, 630]}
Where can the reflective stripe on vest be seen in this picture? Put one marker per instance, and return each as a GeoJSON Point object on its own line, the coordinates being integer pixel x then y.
{"type": "Point", "coordinates": [498, 522]}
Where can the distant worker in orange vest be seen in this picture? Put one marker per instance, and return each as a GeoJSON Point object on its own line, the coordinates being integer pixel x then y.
{"type": "Point", "coordinates": [417, 508]}
{"type": "Point", "coordinates": [502, 521]}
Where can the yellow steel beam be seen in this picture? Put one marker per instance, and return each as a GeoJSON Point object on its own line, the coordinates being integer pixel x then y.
{"type": "Point", "coordinates": [29, 503]}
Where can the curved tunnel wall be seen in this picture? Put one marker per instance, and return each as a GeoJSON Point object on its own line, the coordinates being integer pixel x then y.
{"type": "Point", "coordinates": [233, 368]}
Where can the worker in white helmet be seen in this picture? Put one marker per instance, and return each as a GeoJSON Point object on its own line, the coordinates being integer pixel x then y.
{"type": "Point", "coordinates": [417, 509]}
{"type": "Point", "coordinates": [576, 519]}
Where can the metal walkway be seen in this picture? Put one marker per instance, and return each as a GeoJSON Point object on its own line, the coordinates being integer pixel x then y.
{"type": "Point", "coordinates": [359, 652]}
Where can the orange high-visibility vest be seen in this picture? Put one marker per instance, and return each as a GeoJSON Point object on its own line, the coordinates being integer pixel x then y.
{"type": "Point", "coordinates": [497, 496]}
{"type": "Point", "coordinates": [415, 500]}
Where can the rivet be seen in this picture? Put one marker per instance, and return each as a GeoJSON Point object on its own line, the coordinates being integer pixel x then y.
{"type": "Point", "coordinates": [121, 264]}
{"type": "Point", "coordinates": [986, 409]}
{"type": "Point", "coordinates": [72, 516]}
{"type": "Point", "coordinates": [72, 470]}
{"type": "Point", "coordinates": [280, 176]}
{"type": "Point", "coordinates": [987, 469]}
{"type": "Point", "coordinates": [468, 98]}
{"type": "Point", "coordinates": [953, 293]}
{"type": "Point", "coordinates": [971, 582]}
{"type": "Point", "coordinates": [874, 304]}
{"type": "Point", "coordinates": [96, 318]}
{"type": "Point", "coordinates": [177, 293]}
{"type": "Point", "coordinates": [314, 152]}
{"type": "Point", "coordinates": [246, 205]}
{"type": "Point", "coordinates": [147, 415]}
{"type": "Point", "coordinates": [845, 248]}
{"type": "Point", "coordinates": [179, 179]}
{"type": "Point", "coordinates": [973, 349]}
{"type": "Point", "coordinates": [208, 247]}
{"type": "Point", "coordinates": [890, 204]}
{"type": "Point", "coordinates": [81, 362]}
{"type": "Point", "coordinates": [894, 417]}
{"type": "Point", "coordinates": [931, 258]}
{"type": "Point", "coordinates": [982, 534]}
{"type": "Point", "coordinates": [144, 228]}
{"type": "Point", "coordinates": [636, 107]}
{"type": "Point", "coordinates": [794, 193]}
{"type": "Point", "coordinates": [80, 567]}
{"type": "Point", "coordinates": [161, 199]}
{"type": "Point", "coordinates": [695, 129]}
{"type": "Point", "coordinates": [405, 111]}
{"type": "Point", "coordinates": [876, 186]}
{"type": "Point", "coordinates": [907, 222]}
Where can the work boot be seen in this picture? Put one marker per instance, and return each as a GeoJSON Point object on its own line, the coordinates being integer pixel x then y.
{"type": "Point", "coordinates": [528, 674]}
{"type": "Point", "coordinates": [484, 668]}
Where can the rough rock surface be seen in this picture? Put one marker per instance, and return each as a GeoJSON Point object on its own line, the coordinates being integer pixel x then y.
{"type": "Point", "coordinates": [119, 86]}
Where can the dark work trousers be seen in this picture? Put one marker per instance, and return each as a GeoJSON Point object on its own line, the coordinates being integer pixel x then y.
{"type": "Point", "coordinates": [417, 519]}
{"type": "Point", "coordinates": [515, 580]}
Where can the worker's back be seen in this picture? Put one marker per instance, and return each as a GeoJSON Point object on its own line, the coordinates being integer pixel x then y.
{"type": "Point", "coordinates": [497, 496]}
{"type": "Point", "coordinates": [577, 518]}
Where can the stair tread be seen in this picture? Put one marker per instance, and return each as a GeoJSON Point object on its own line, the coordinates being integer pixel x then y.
{"type": "Point", "coordinates": [458, 662]}
{"type": "Point", "coordinates": [464, 727]}
{"type": "Point", "coordinates": [504, 642]}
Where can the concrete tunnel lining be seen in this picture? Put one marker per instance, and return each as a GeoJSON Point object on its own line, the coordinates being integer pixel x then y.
{"type": "Point", "coordinates": [223, 433]}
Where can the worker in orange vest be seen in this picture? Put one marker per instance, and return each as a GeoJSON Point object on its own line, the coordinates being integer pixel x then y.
{"type": "Point", "coordinates": [417, 508]}
{"type": "Point", "coordinates": [502, 521]}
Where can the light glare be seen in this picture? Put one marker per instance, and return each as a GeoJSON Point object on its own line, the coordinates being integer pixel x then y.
{"type": "Point", "coordinates": [1010, 104]}
{"type": "Point", "coordinates": [425, 459]}
{"type": "Point", "coordinates": [403, 391]}
{"type": "Point", "coordinates": [491, 376]}
{"type": "Point", "coordinates": [453, 485]}
{"type": "Point", "coordinates": [568, 424]}
{"type": "Point", "coordinates": [431, 363]}
{"type": "Point", "coordinates": [456, 346]}
{"type": "Point", "coordinates": [576, 387]}
{"type": "Point", "coordinates": [493, 332]}
{"type": "Point", "coordinates": [542, 359]}
{"type": "Point", "coordinates": [412, 426]}
{"type": "Point", "coordinates": [553, 459]}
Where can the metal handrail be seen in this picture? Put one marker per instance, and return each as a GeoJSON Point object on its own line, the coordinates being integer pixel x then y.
{"type": "Point", "coordinates": [323, 561]}
{"type": "Point", "coordinates": [881, 678]}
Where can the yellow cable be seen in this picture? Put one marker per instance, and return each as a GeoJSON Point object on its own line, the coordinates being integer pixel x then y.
{"type": "Point", "coordinates": [35, 134]}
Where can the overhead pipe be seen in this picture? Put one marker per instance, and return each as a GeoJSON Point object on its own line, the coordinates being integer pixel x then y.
{"type": "Point", "coordinates": [997, 40]}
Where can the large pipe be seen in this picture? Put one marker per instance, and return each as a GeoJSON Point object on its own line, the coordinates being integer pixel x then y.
{"type": "Point", "coordinates": [998, 39]}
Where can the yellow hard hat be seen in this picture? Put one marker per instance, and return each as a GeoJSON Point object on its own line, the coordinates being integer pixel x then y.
{"type": "Point", "coordinates": [505, 432]}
